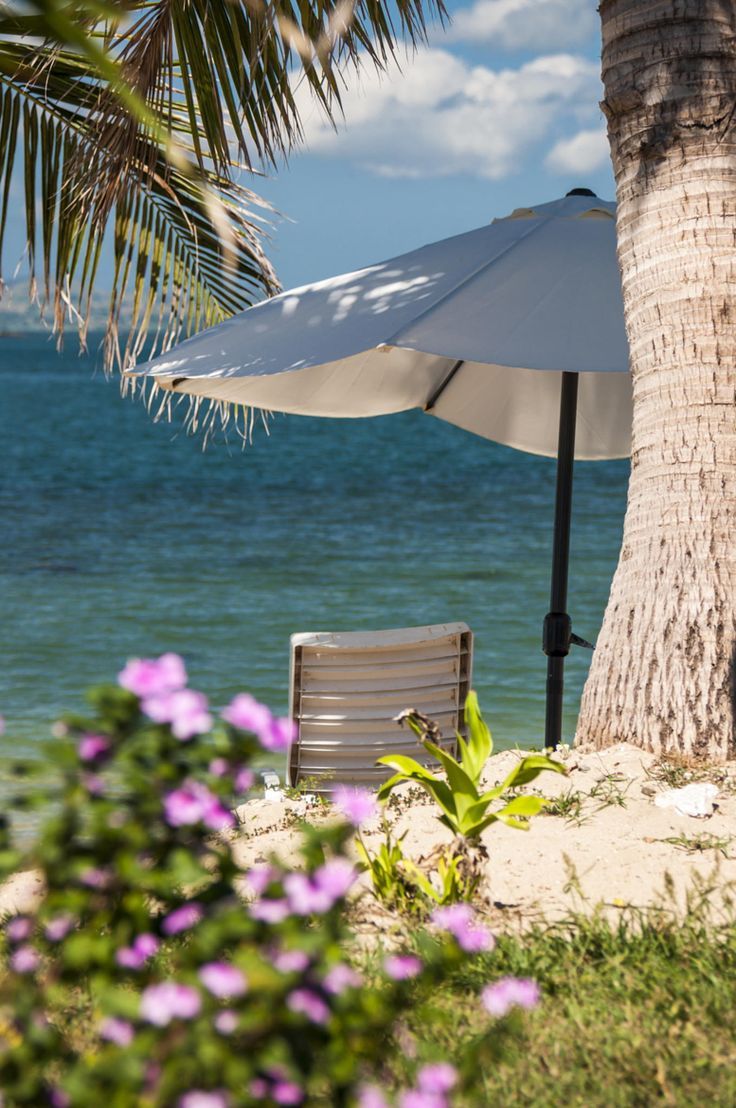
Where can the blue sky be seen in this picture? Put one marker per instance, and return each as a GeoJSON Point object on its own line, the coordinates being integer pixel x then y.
{"type": "Point", "coordinates": [500, 110]}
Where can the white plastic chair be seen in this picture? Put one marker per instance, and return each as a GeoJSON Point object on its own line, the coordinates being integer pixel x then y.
{"type": "Point", "coordinates": [346, 688]}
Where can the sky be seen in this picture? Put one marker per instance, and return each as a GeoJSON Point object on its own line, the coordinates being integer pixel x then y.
{"type": "Point", "coordinates": [499, 110]}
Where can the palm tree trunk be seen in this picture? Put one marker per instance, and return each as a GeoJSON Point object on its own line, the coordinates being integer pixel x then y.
{"type": "Point", "coordinates": [664, 670]}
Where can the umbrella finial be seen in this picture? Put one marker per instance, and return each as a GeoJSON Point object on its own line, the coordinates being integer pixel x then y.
{"type": "Point", "coordinates": [581, 192]}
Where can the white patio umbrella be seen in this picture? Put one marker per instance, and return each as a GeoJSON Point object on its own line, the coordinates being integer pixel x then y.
{"type": "Point", "coordinates": [513, 331]}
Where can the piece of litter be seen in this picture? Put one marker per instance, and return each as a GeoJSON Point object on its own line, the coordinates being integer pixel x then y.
{"type": "Point", "coordinates": [697, 799]}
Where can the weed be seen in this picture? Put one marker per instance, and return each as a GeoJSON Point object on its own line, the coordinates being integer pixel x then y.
{"type": "Point", "coordinates": [610, 791]}
{"type": "Point", "coordinates": [697, 844]}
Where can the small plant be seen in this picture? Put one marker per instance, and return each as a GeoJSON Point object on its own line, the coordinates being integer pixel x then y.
{"type": "Point", "coordinates": [568, 805]}
{"type": "Point", "coordinates": [697, 844]}
{"type": "Point", "coordinates": [610, 791]}
{"type": "Point", "coordinates": [465, 808]}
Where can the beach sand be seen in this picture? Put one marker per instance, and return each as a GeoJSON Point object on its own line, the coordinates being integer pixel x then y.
{"type": "Point", "coordinates": [614, 849]}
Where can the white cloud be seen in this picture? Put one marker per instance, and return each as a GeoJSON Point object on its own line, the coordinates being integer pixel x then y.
{"type": "Point", "coordinates": [583, 153]}
{"type": "Point", "coordinates": [441, 116]}
{"type": "Point", "coordinates": [526, 24]}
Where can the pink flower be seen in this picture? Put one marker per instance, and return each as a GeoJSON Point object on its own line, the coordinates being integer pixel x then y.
{"type": "Point", "coordinates": [198, 1098]}
{"type": "Point", "coordinates": [153, 676]}
{"type": "Point", "coordinates": [194, 803]}
{"type": "Point", "coordinates": [340, 978]}
{"type": "Point", "coordinates": [370, 1096]}
{"type": "Point", "coordinates": [401, 967]}
{"type": "Point", "coordinates": [270, 911]}
{"type": "Point", "coordinates": [92, 747]}
{"type": "Point", "coordinates": [437, 1077]}
{"type": "Point", "coordinates": [181, 919]}
{"type": "Point", "coordinates": [248, 714]}
{"type": "Point", "coordinates": [309, 1004]}
{"type": "Point", "coordinates": [358, 806]}
{"type": "Point", "coordinates": [218, 767]}
{"type": "Point", "coordinates": [291, 961]}
{"type": "Point", "coordinates": [226, 1021]}
{"type": "Point", "coordinates": [93, 783]}
{"type": "Point", "coordinates": [418, 1098]}
{"type": "Point", "coordinates": [58, 928]}
{"type": "Point", "coordinates": [459, 920]}
{"type": "Point", "coordinates": [304, 897]}
{"type": "Point", "coordinates": [510, 992]}
{"type": "Point", "coordinates": [95, 877]}
{"type": "Point", "coordinates": [335, 877]}
{"type": "Point", "coordinates": [243, 780]}
{"type": "Point", "coordinates": [259, 877]}
{"type": "Point", "coordinates": [19, 929]}
{"type": "Point", "coordinates": [133, 957]}
{"type": "Point", "coordinates": [24, 960]}
{"type": "Point", "coordinates": [184, 709]}
{"type": "Point", "coordinates": [287, 1092]}
{"type": "Point", "coordinates": [162, 1003]}
{"type": "Point", "coordinates": [117, 1031]}
{"type": "Point", "coordinates": [222, 979]}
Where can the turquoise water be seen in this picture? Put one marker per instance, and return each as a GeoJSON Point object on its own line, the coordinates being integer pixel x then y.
{"type": "Point", "coordinates": [122, 537]}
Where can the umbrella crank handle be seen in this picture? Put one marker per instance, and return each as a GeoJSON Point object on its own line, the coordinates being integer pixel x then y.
{"type": "Point", "coordinates": [558, 636]}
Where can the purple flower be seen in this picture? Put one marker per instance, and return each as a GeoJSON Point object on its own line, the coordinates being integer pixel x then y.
{"type": "Point", "coordinates": [243, 780]}
{"type": "Point", "coordinates": [24, 960]}
{"type": "Point", "coordinates": [59, 1099]}
{"type": "Point", "coordinates": [198, 1098]}
{"type": "Point", "coordinates": [162, 1003]}
{"type": "Point", "coordinates": [153, 676]}
{"type": "Point", "coordinates": [358, 806]}
{"type": "Point", "coordinates": [270, 911]}
{"type": "Point", "coordinates": [291, 961]}
{"type": "Point", "coordinates": [133, 957]}
{"type": "Point", "coordinates": [184, 709]}
{"type": "Point", "coordinates": [218, 767]}
{"type": "Point", "coordinates": [510, 992]}
{"type": "Point", "coordinates": [194, 803]}
{"type": "Point", "coordinates": [226, 1021]}
{"type": "Point", "coordinates": [222, 979]}
{"type": "Point", "coordinates": [335, 877]}
{"type": "Point", "coordinates": [437, 1077]}
{"type": "Point", "coordinates": [303, 895]}
{"type": "Point", "coordinates": [418, 1098]}
{"type": "Point", "coordinates": [401, 967]}
{"type": "Point", "coordinates": [340, 978]}
{"type": "Point", "coordinates": [247, 714]}
{"type": "Point", "coordinates": [259, 877]}
{"type": "Point", "coordinates": [370, 1096]}
{"type": "Point", "coordinates": [95, 877]}
{"type": "Point", "coordinates": [181, 919]}
{"type": "Point", "coordinates": [287, 1092]}
{"type": "Point", "coordinates": [459, 920]}
{"type": "Point", "coordinates": [92, 747]}
{"type": "Point", "coordinates": [58, 928]}
{"type": "Point", "coordinates": [117, 1031]}
{"type": "Point", "coordinates": [93, 783]}
{"type": "Point", "coordinates": [309, 1004]}
{"type": "Point", "coordinates": [19, 929]}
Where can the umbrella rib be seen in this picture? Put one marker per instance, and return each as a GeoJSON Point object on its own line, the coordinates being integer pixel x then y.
{"type": "Point", "coordinates": [442, 386]}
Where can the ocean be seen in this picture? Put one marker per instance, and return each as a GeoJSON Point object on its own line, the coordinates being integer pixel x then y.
{"type": "Point", "coordinates": [122, 537]}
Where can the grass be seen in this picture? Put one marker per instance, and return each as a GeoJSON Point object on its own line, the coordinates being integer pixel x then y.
{"type": "Point", "coordinates": [697, 844]}
{"type": "Point", "coordinates": [636, 1014]}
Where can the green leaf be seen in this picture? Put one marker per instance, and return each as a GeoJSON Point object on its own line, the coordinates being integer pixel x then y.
{"type": "Point", "coordinates": [480, 744]}
{"type": "Point", "coordinates": [529, 768]}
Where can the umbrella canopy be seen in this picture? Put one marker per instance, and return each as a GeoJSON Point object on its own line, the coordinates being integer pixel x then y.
{"type": "Point", "coordinates": [514, 331]}
{"type": "Point", "coordinates": [518, 302]}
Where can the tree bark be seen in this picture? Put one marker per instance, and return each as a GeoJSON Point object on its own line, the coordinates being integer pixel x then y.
{"type": "Point", "coordinates": [664, 670]}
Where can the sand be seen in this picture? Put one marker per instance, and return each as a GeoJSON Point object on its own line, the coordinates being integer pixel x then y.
{"type": "Point", "coordinates": [613, 849]}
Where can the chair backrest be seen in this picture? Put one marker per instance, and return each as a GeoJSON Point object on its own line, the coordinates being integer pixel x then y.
{"type": "Point", "coordinates": [346, 688]}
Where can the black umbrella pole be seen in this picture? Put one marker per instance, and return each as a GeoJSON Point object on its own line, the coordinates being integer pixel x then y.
{"type": "Point", "coordinates": [557, 625]}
